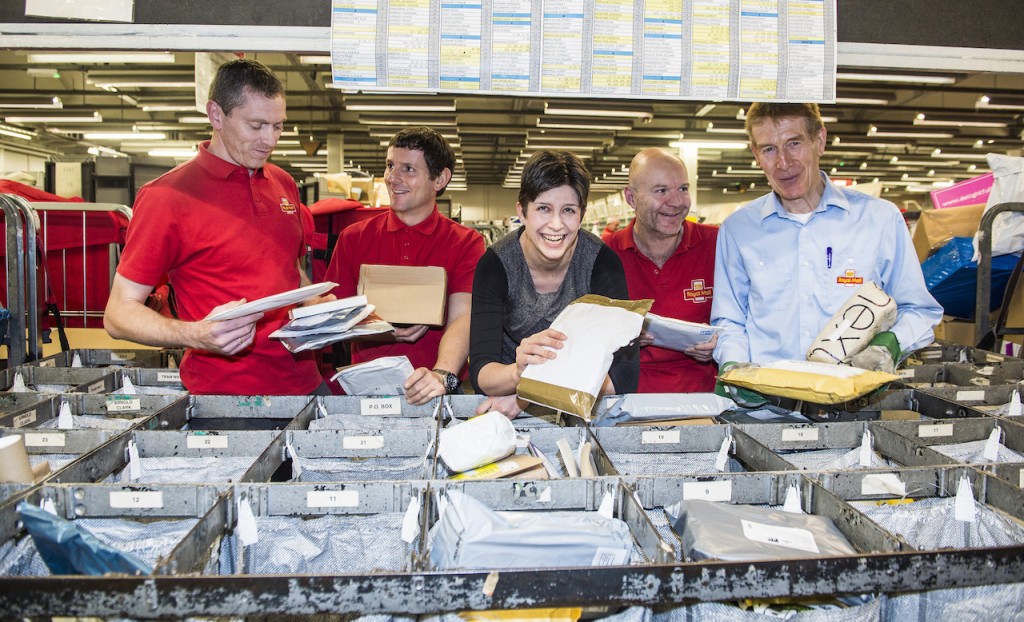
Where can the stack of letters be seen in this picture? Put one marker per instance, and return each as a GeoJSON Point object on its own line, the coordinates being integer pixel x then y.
{"type": "Point", "coordinates": [318, 325]}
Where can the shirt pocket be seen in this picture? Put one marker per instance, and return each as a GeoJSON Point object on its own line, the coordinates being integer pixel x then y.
{"type": "Point", "coordinates": [773, 284]}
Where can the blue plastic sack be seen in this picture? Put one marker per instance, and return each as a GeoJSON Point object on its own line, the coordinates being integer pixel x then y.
{"type": "Point", "coordinates": [952, 278]}
{"type": "Point", "coordinates": [69, 549]}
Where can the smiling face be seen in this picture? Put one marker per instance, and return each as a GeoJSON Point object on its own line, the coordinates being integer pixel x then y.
{"type": "Point", "coordinates": [659, 193]}
{"type": "Point", "coordinates": [248, 134]}
{"type": "Point", "coordinates": [552, 224]}
{"type": "Point", "coordinates": [788, 154]}
{"type": "Point", "coordinates": [412, 190]}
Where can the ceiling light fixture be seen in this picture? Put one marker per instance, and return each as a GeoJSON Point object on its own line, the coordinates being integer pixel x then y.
{"type": "Point", "coordinates": [922, 78]}
{"type": "Point", "coordinates": [89, 58]}
{"type": "Point", "coordinates": [580, 110]}
{"type": "Point", "coordinates": [922, 119]}
{"type": "Point", "coordinates": [194, 120]}
{"type": "Point", "coordinates": [124, 136]}
{"type": "Point", "coordinates": [999, 103]}
{"type": "Point", "coordinates": [394, 104]}
{"type": "Point", "coordinates": [708, 144]}
{"type": "Point", "coordinates": [32, 103]}
{"type": "Point", "coordinates": [169, 108]}
{"type": "Point", "coordinates": [109, 80]}
{"type": "Point", "coordinates": [173, 153]}
{"type": "Point", "coordinates": [55, 118]}
{"type": "Point", "coordinates": [315, 59]}
{"type": "Point", "coordinates": [861, 101]}
{"type": "Point", "coordinates": [16, 132]}
{"type": "Point", "coordinates": [365, 119]}
{"type": "Point", "coordinates": [583, 124]}
{"type": "Point", "coordinates": [874, 132]}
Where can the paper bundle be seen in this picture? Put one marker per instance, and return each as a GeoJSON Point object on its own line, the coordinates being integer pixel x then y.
{"type": "Point", "coordinates": [319, 325]}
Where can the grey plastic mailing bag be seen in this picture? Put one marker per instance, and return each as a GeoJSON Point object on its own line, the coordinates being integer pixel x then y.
{"type": "Point", "coordinates": [469, 535]}
{"type": "Point", "coordinates": [712, 530]}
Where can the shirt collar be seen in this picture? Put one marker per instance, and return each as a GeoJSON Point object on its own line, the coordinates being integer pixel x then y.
{"type": "Point", "coordinates": [426, 227]}
{"type": "Point", "coordinates": [218, 167]}
{"type": "Point", "coordinates": [832, 196]}
{"type": "Point", "coordinates": [691, 237]}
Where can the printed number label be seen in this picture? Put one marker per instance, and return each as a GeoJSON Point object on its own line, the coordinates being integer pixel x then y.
{"type": "Point", "coordinates": [1021, 483]}
{"type": "Point", "coordinates": [169, 376]}
{"type": "Point", "coordinates": [708, 491]}
{"type": "Point", "coordinates": [906, 373]}
{"type": "Point", "coordinates": [659, 437]}
{"type": "Point", "coordinates": [131, 499]}
{"type": "Point", "coordinates": [206, 441]}
{"type": "Point", "coordinates": [48, 363]}
{"type": "Point", "coordinates": [122, 356]}
{"type": "Point", "coordinates": [24, 419]}
{"type": "Point", "coordinates": [55, 439]}
{"type": "Point", "coordinates": [796, 435]}
{"type": "Point", "coordinates": [123, 403]}
{"type": "Point", "coordinates": [970, 396]}
{"type": "Point", "coordinates": [97, 387]}
{"type": "Point", "coordinates": [332, 499]}
{"type": "Point", "coordinates": [363, 442]}
{"type": "Point", "coordinates": [381, 406]}
{"type": "Point", "coordinates": [937, 429]}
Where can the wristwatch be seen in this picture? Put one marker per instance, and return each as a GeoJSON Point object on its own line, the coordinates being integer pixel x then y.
{"type": "Point", "coordinates": [450, 380]}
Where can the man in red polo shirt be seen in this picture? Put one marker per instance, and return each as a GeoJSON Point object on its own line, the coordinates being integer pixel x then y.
{"type": "Point", "coordinates": [671, 260]}
{"type": "Point", "coordinates": [225, 228]}
{"type": "Point", "coordinates": [413, 233]}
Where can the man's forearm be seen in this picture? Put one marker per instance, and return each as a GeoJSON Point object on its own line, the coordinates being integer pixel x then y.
{"type": "Point", "coordinates": [453, 350]}
{"type": "Point", "coordinates": [134, 321]}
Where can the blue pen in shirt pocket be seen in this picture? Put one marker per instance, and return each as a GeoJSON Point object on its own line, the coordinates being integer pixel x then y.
{"type": "Point", "coordinates": [828, 258]}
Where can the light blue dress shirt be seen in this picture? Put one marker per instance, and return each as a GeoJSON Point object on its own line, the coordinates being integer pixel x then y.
{"type": "Point", "coordinates": [778, 281]}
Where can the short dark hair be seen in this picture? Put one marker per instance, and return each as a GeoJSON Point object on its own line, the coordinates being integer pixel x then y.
{"type": "Point", "coordinates": [759, 112]}
{"type": "Point", "coordinates": [550, 169]}
{"type": "Point", "coordinates": [437, 153]}
{"type": "Point", "coordinates": [229, 86]}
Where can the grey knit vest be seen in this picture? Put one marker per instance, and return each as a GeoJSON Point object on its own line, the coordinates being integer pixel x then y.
{"type": "Point", "coordinates": [527, 312]}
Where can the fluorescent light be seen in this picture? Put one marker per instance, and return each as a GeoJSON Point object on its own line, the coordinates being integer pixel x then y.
{"type": "Point", "coordinates": [173, 153]}
{"type": "Point", "coordinates": [67, 118]}
{"type": "Point", "coordinates": [725, 130]}
{"type": "Point", "coordinates": [35, 103]}
{"type": "Point", "coordinates": [108, 80]}
{"type": "Point", "coordinates": [861, 101]}
{"type": "Point", "coordinates": [196, 120]}
{"type": "Point", "coordinates": [921, 119]}
{"type": "Point", "coordinates": [892, 77]}
{"type": "Point", "coordinates": [706, 108]}
{"type": "Point", "coordinates": [570, 109]}
{"type": "Point", "coordinates": [315, 60]}
{"type": "Point", "coordinates": [86, 58]}
{"type": "Point", "coordinates": [170, 108]}
{"type": "Point", "coordinates": [874, 132]}
{"type": "Point", "coordinates": [999, 103]}
{"type": "Point", "coordinates": [124, 136]}
{"type": "Point", "coordinates": [15, 132]}
{"type": "Point", "coordinates": [365, 119]}
{"type": "Point", "coordinates": [397, 104]}
{"type": "Point", "coordinates": [583, 124]}
{"type": "Point", "coordinates": [961, 156]}
{"type": "Point", "coordinates": [43, 72]}
{"type": "Point", "coordinates": [106, 151]}
{"type": "Point", "coordinates": [709, 144]}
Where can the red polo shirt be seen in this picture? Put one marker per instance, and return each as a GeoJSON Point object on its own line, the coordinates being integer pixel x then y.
{"type": "Point", "coordinates": [681, 290]}
{"type": "Point", "coordinates": [222, 235]}
{"type": "Point", "coordinates": [386, 240]}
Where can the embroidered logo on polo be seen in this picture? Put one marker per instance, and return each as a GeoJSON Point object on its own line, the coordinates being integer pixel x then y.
{"type": "Point", "coordinates": [286, 206]}
{"type": "Point", "coordinates": [698, 292]}
{"type": "Point", "coordinates": [850, 278]}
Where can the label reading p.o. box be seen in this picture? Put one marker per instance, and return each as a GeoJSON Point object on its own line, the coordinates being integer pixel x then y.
{"type": "Point", "coordinates": [380, 406]}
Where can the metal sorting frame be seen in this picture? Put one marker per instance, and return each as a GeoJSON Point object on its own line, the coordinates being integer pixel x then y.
{"type": "Point", "coordinates": [78, 379]}
{"type": "Point", "coordinates": [887, 564]}
{"type": "Point", "coordinates": [983, 289]}
{"type": "Point", "coordinates": [158, 411]}
{"type": "Point", "coordinates": [961, 374]}
{"type": "Point", "coordinates": [946, 352]}
{"type": "Point", "coordinates": [123, 358]}
{"type": "Point", "coordinates": [23, 340]}
{"type": "Point", "coordinates": [46, 442]}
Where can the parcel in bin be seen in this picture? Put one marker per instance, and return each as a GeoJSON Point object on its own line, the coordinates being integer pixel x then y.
{"type": "Point", "coordinates": [405, 294]}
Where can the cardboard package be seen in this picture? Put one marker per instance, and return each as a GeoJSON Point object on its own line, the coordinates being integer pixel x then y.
{"type": "Point", "coordinates": [361, 189]}
{"type": "Point", "coordinates": [405, 294]}
{"type": "Point", "coordinates": [938, 226]}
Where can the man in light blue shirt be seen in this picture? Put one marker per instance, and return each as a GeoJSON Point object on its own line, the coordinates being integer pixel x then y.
{"type": "Point", "coordinates": [788, 261]}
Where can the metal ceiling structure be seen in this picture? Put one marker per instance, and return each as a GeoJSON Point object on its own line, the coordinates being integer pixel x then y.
{"type": "Point", "coordinates": [909, 129]}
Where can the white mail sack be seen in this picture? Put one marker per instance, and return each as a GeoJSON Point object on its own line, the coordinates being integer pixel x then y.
{"type": "Point", "coordinates": [868, 311]}
{"type": "Point", "coordinates": [383, 376]}
{"type": "Point", "coordinates": [477, 441]}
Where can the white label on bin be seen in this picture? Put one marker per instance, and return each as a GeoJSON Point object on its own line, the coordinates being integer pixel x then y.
{"type": "Point", "coordinates": [123, 403]}
{"type": "Point", "coordinates": [332, 499]}
{"type": "Point", "coordinates": [97, 387]}
{"type": "Point", "coordinates": [659, 437]}
{"type": "Point", "coordinates": [708, 491]}
{"type": "Point", "coordinates": [994, 358]}
{"type": "Point", "coordinates": [788, 537]}
{"type": "Point", "coordinates": [935, 429]}
{"type": "Point", "coordinates": [50, 439]}
{"type": "Point", "coordinates": [24, 419]}
{"type": "Point", "coordinates": [363, 442]}
{"type": "Point", "coordinates": [137, 499]}
{"type": "Point", "coordinates": [970, 396]}
{"type": "Point", "coordinates": [168, 376]}
{"type": "Point", "coordinates": [48, 363]}
{"type": "Point", "coordinates": [1020, 484]}
{"type": "Point", "coordinates": [206, 441]}
{"type": "Point", "coordinates": [381, 406]}
{"type": "Point", "coordinates": [905, 373]}
{"type": "Point", "coordinates": [606, 556]}
{"type": "Point", "coordinates": [797, 435]}
{"type": "Point", "coordinates": [122, 356]}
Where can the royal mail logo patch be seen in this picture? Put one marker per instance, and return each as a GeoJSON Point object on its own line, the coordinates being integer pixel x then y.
{"type": "Point", "coordinates": [850, 278]}
{"type": "Point", "coordinates": [287, 206]}
{"type": "Point", "coordinates": [698, 291]}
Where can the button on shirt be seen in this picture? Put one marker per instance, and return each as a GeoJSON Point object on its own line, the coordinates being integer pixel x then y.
{"type": "Point", "coordinates": [778, 280]}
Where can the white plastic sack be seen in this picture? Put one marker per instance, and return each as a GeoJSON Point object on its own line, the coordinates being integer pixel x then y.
{"type": "Point", "coordinates": [476, 442]}
{"type": "Point", "coordinates": [866, 313]}
{"type": "Point", "coordinates": [1007, 187]}
{"type": "Point", "coordinates": [383, 376]}
{"type": "Point", "coordinates": [469, 535]}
